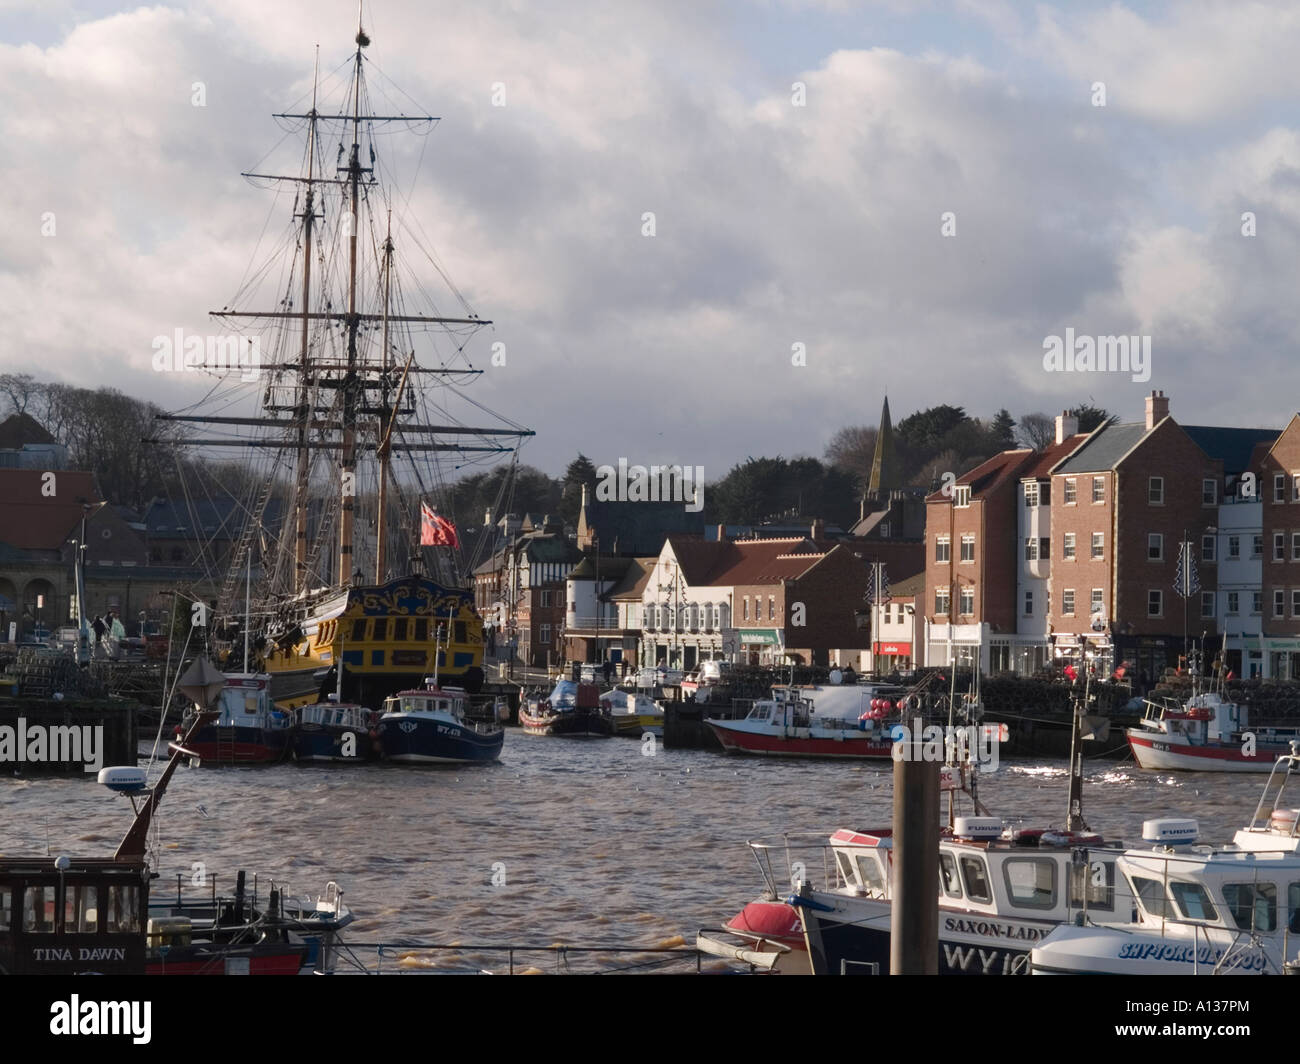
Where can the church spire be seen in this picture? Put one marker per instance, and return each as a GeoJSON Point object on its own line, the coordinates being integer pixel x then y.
{"type": "Point", "coordinates": [884, 469]}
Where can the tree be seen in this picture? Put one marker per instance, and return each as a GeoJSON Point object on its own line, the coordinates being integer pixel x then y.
{"type": "Point", "coordinates": [20, 389]}
{"type": "Point", "coordinates": [851, 450]}
{"type": "Point", "coordinates": [1090, 416]}
{"type": "Point", "coordinates": [1037, 431]}
{"type": "Point", "coordinates": [1004, 430]}
{"type": "Point", "coordinates": [581, 473]}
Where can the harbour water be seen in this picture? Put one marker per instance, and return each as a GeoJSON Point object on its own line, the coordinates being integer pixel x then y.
{"type": "Point", "coordinates": [582, 842]}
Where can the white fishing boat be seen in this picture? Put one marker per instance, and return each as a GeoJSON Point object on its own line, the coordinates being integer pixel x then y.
{"type": "Point", "coordinates": [1199, 910]}
{"type": "Point", "coordinates": [1207, 733]}
{"type": "Point", "coordinates": [632, 713]}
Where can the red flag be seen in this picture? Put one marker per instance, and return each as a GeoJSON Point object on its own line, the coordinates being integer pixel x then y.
{"type": "Point", "coordinates": [436, 531]}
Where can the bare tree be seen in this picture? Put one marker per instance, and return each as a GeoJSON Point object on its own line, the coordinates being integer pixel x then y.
{"type": "Point", "coordinates": [852, 449]}
{"type": "Point", "coordinates": [20, 389]}
{"type": "Point", "coordinates": [1036, 431]}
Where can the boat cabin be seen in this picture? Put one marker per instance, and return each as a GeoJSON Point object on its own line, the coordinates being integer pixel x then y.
{"type": "Point", "coordinates": [336, 715]}
{"type": "Point", "coordinates": [60, 916]}
{"type": "Point", "coordinates": [449, 701]}
{"type": "Point", "coordinates": [245, 702]}
{"type": "Point", "coordinates": [1030, 874]}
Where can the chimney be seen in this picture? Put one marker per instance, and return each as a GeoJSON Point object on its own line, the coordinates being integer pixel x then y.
{"type": "Point", "coordinates": [1157, 409]}
{"type": "Point", "coordinates": [722, 533]}
{"type": "Point", "coordinates": [818, 530]}
{"type": "Point", "coordinates": [1067, 425]}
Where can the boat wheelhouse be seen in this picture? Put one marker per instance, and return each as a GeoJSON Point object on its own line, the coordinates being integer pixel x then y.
{"type": "Point", "coordinates": [1199, 910]}
{"type": "Point", "coordinates": [333, 731]}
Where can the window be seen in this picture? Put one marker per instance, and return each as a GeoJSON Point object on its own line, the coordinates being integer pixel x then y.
{"type": "Point", "coordinates": [1098, 603]}
{"type": "Point", "coordinates": [1257, 602]}
{"type": "Point", "coordinates": [1098, 545]}
{"type": "Point", "coordinates": [1156, 491]}
{"type": "Point", "coordinates": [1031, 881]}
{"type": "Point", "coordinates": [421, 629]}
{"type": "Point", "coordinates": [1067, 601]}
{"type": "Point", "coordinates": [1045, 548]}
{"type": "Point", "coordinates": [1295, 546]}
{"type": "Point", "coordinates": [1207, 603]}
{"type": "Point", "coordinates": [544, 635]}
{"type": "Point", "coordinates": [1152, 896]}
{"type": "Point", "coordinates": [1031, 550]}
{"type": "Point", "coordinates": [80, 910]}
{"type": "Point", "coordinates": [1071, 491]}
{"type": "Point", "coordinates": [399, 630]}
{"type": "Point", "coordinates": [358, 631]}
{"type": "Point", "coordinates": [976, 878]}
{"type": "Point", "coordinates": [942, 548]}
{"type": "Point", "coordinates": [6, 897]}
{"type": "Point", "coordinates": [1295, 487]}
{"type": "Point", "coordinates": [381, 629]}
{"type": "Point", "coordinates": [1207, 548]}
{"type": "Point", "coordinates": [1234, 547]}
{"type": "Point", "coordinates": [967, 601]}
{"type": "Point", "coordinates": [1067, 546]}
{"type": "Point", "coordinates": [1031, 494]}
{"type": "Point", "coordinates": [1279, 546]}
{"type": "Point", "coordinates": [1029, 603]}
{"type": "Point", "coordinates": [941, 600]}
{"type": "Point", "coordinates": [1279, 487]}
{"type": "Point", "coordinates": [968, 547]}
{"type": "Point", "coordinates": [1295, 603]}
{"type": "Point", "coordinates": [1253, 906]}
{"type": "Point", "coordinates": [1155, 603]}
{"type": "Point", "coordinates": [1279, 602]}
{"type": "Point", "coordinates": [459, 632]}
{"type": "Point", "coordinates": [1257, 546]}
{"type": "Point", "coordinates": [38, 910]}
{"type": "Point", "coordinates": [884, 530]}
{"type": "Point", "coordinates": [771, 607]}
{"type": "Point", "coordinates": [1155, 547]}
{"type": "Point", "coordinates": [869, 871]}
{"type": "Point", "coordinates": [1209, 493]}
{"type": "Point", "coordinates": [1234, 603]}
{"type": "Point", "coordinates": [948, 875]}
{"type": "Point", "coordinates": [1098, 489]}
{"type": "Point", "coordinates": [961, 496]}
{"type": "Point", "coordinates": [546, 598]}
{"type": "Point", "coordinates": [123, 910]}
{"type": "Point", "coordinates": [746, 608]}
{"type": "Point", "coordinates": [1193, 901]}
{"type": "Point", "coordinates": [1092, 884]}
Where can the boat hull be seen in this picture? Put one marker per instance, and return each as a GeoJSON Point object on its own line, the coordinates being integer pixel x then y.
{"type": "Point", "coordinates": [1112, 951]}
{"type": "Point", "coordinates": [414, 738]}
{"type": "Point", "coordinates": [240, 745]}
{"type": "Point", "coordinates": [854, 940]}
{"type": "Point", "coordinates": [314, 743]}
{"type": "Point", "coordinates": [572, 724]}
{"type": "Point", "coordinates": [1155, 751]}
{"type": "Point", "coordinates": [848, 744]}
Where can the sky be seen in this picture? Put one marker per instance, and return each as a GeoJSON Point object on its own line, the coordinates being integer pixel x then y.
{"type": "Point", "coordinates": [851, 198]}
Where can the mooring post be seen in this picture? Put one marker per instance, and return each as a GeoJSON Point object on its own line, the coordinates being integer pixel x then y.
{"type": "Point", "coordinates": [914, 917]}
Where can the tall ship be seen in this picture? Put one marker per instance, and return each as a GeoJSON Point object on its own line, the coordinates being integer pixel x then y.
{"type": "Point", "coordinates": [334, 417]}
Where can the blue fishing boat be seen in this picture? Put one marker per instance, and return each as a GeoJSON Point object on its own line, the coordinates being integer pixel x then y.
{"type": "Point", "coordinates": [432, 726]}
{"type": "Point", "coordinates": [334, 731]}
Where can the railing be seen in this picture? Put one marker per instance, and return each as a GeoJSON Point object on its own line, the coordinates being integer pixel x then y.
{"type": "Point", "coordinates": [794, 854]}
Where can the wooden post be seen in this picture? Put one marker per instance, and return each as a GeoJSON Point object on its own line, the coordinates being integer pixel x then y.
{"type": "Point", "coordinates": [914, 917]}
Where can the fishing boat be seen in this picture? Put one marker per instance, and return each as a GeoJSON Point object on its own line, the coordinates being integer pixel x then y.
{"type": "Point", "coordinates": [1206, 733]}
{"type": "Point", "coordinates": [1198, 910]}
{"type": "Point", "coordinates": [248, 728]}
{"type": "Point", "coordinates": [1002, 887]}
{"type": "Point", "coordinates": [632, 713]}
{"type": "Point", "coordinates": [431, 725]}
{"type": "Point", "coordinates": [571, 709]}
{"type": "Point", "coordinates": [830, 721]}
{"type": "Point", "coordinates": [68, 915]}
{"type": "Point", "coordinates": [337, 386]}
{"type": "Point", "coordinates": [335, 732]}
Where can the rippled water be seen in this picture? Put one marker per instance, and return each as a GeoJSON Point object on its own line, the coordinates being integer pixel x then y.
{"type": "Point", "coordinates": [600, 844]}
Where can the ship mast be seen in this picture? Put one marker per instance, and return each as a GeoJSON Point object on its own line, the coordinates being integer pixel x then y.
{"type": "Point", "coordinates": [381, 524]}
{"type": "Point", "coordinates": [305, 392]}
{"type": "Point", "coordinates": [351, 383]}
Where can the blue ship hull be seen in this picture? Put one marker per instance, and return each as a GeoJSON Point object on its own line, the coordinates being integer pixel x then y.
{"type": "Point", "coordinates": [314, 742]}
{"type": "Point", "coordinates": [436, 739]}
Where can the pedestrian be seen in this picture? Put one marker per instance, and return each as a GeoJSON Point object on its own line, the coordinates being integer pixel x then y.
{"type": "Point", "coordinates": [608, 670]}
{"type": "Point", "coordinates": [100, 628]}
